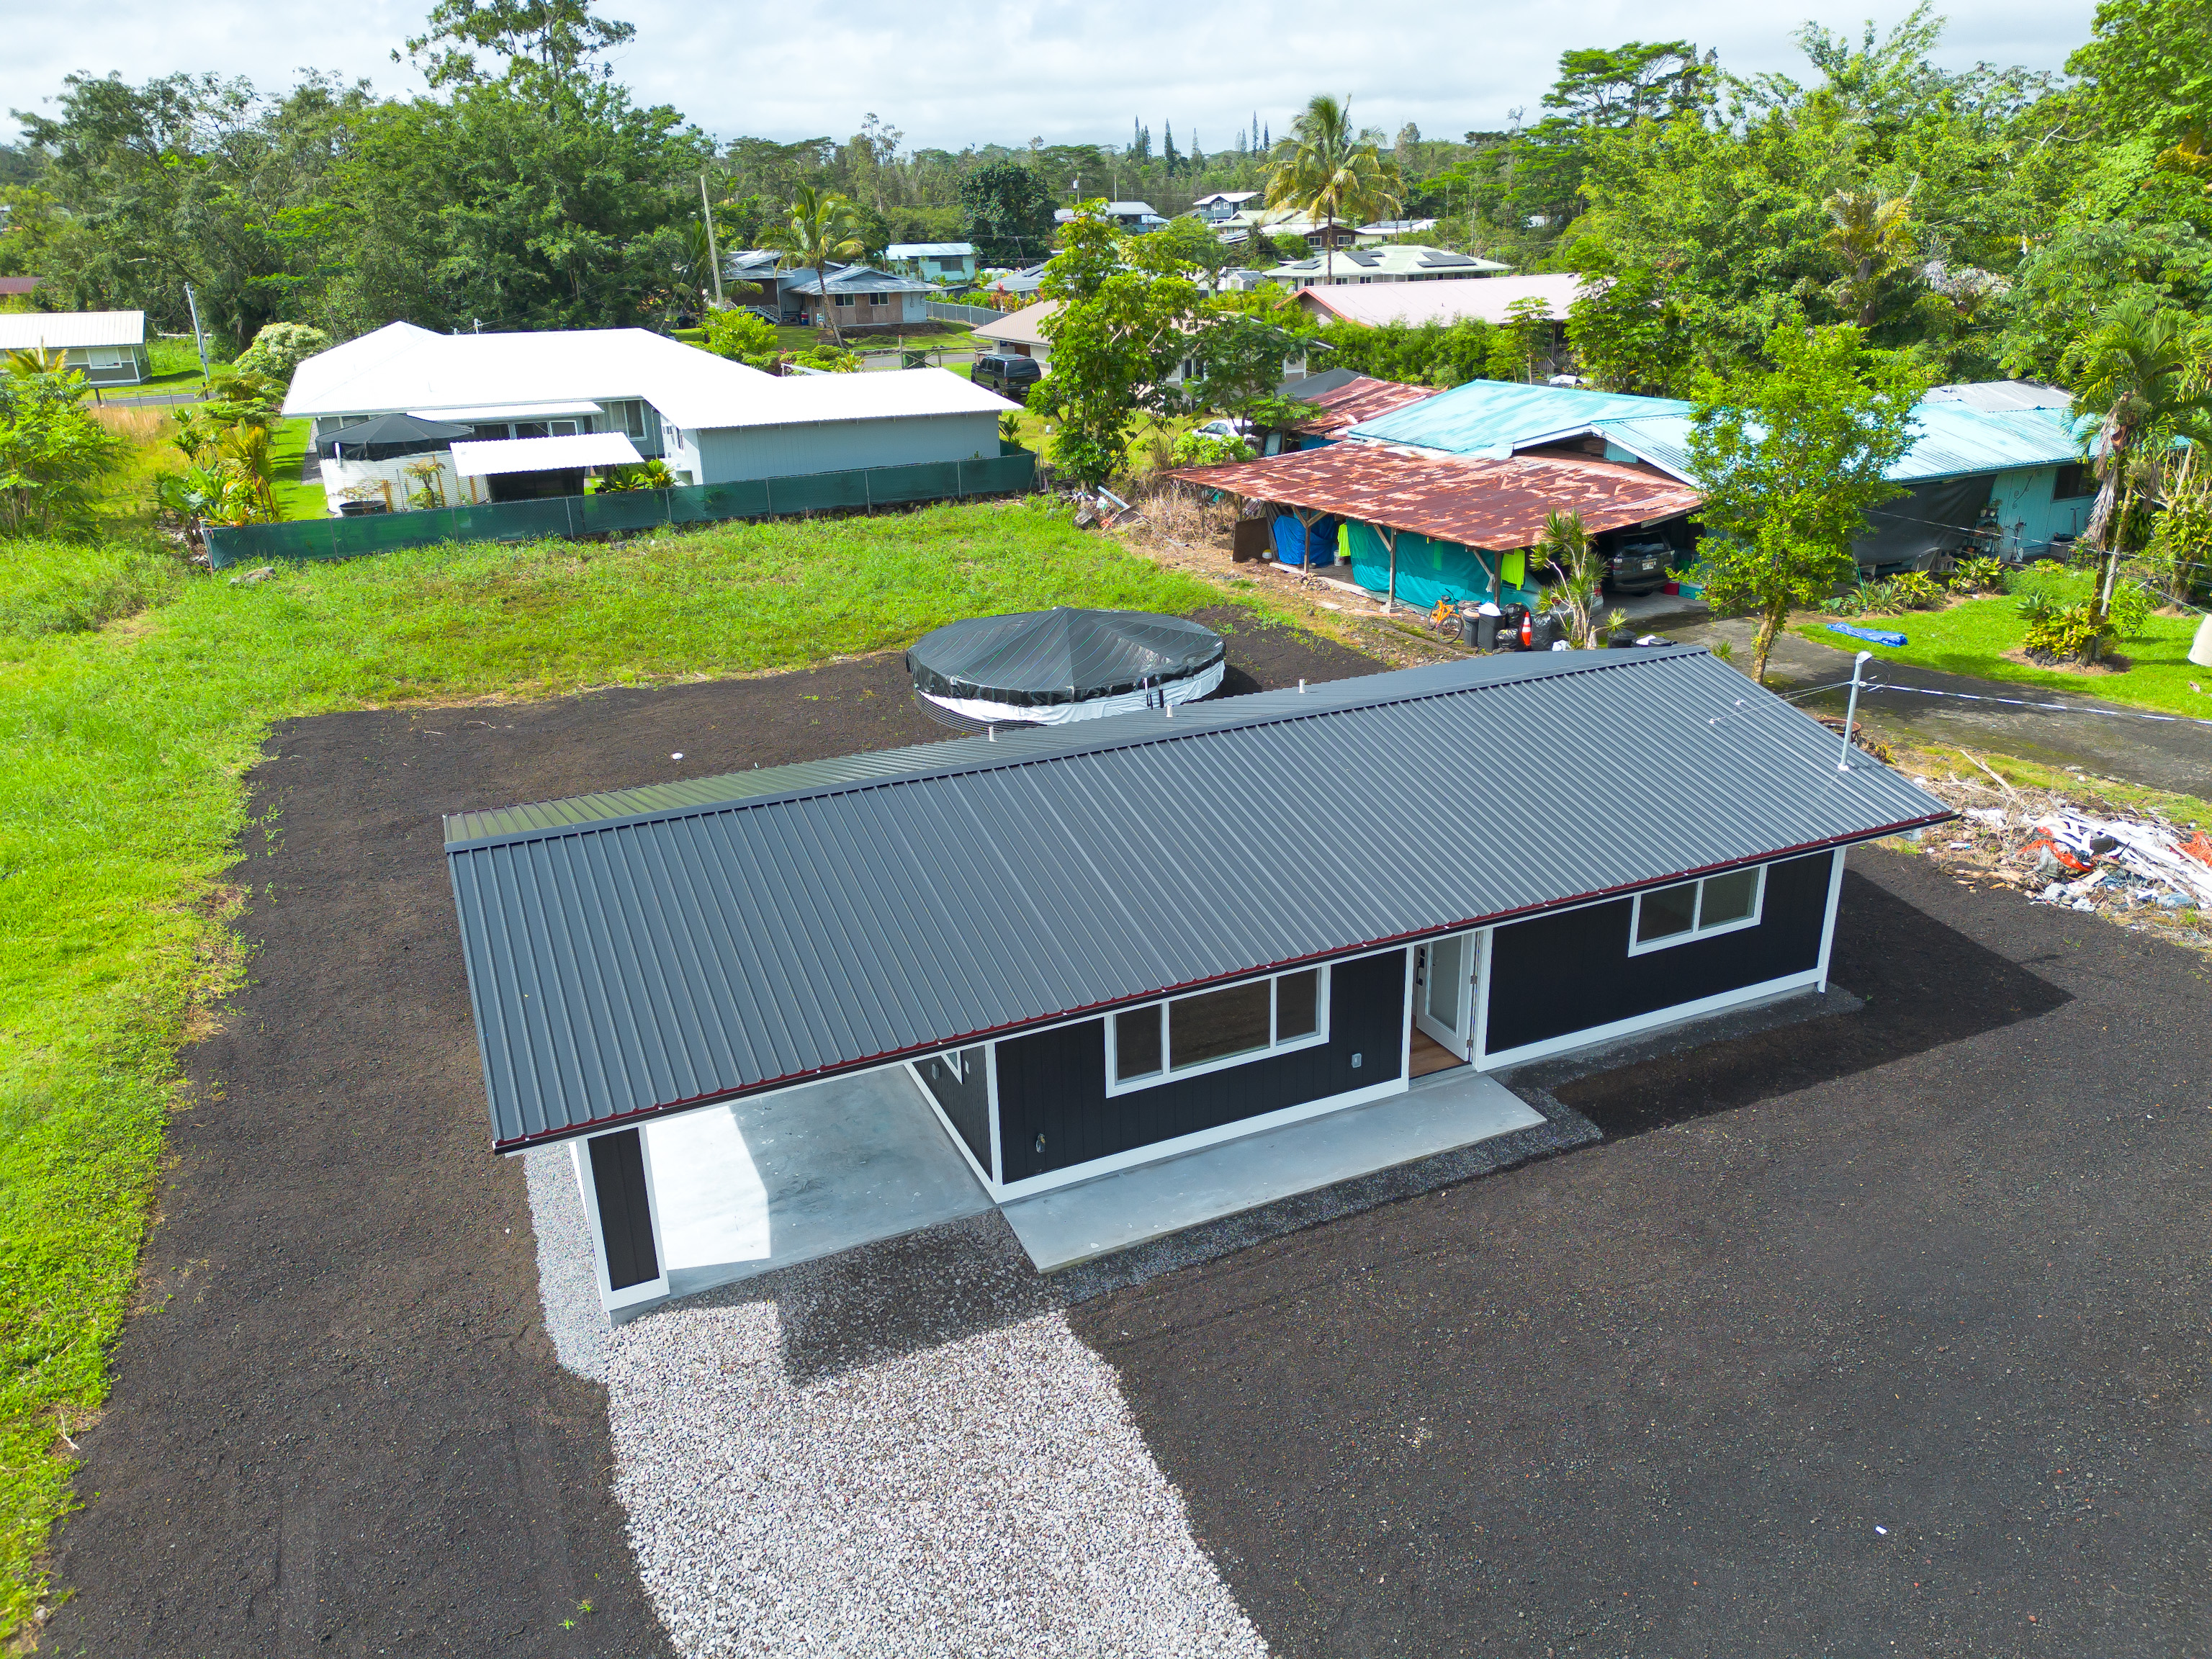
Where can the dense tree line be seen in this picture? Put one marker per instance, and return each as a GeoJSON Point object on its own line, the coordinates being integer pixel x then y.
{"type": "Point", "coordinates": [1980, 218]}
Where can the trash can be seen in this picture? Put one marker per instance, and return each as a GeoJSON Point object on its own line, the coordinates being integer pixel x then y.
{"type": "Point", "coordinates": [1486, 619]}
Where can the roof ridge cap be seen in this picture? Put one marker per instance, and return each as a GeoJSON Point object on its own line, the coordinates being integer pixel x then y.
{"type": "Point", "coordinates": [969, 767]}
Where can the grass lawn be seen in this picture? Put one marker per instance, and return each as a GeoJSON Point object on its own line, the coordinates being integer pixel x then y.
{"type": "Point", "coordinates": [1970, 638]}
{"type": "Point", "coordinates": [127, 736]}
{"type": "Point", "coordinates": [288, 449]}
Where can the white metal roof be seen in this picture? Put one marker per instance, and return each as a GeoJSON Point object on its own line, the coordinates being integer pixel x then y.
{"type": "Point", "coordinates": [580, 449]}
{"type": "Point", "coordinates": [928, 250]}
{"type": "Point", "coordinates": [405, 369]}
{"type": "Point", "coordinates": [1486, 298]}
{"type": "Point", "coordinates": [71, 331]}
{"type": "Point", "coordinates": [401, 368]}
{"type": "Point", "coordinates": [505, 412]}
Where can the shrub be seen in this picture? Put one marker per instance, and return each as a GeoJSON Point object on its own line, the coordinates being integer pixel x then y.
{"type": "Point", "coordinates": [1203, 449]}
{"type": "Point", "coordinates": [2060, 632]}
{"type": "Point", "coordinates": [1978, 576]}
{"type": "Point", "coordinates": [739, 336]}
{"type": "Point", "coordinates": [280, 348]}
{"type": "Point", "coordinates": [646, 475]}
{"type": "Point", "coordinates": [1915, 590]}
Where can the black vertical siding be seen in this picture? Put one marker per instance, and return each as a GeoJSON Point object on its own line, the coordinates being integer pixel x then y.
{"type": "Point", "coordinates": [1555, 974]}
{"type": "Point", "coordinates": [961, 1084]}
{"type": "Point", "coordinates": [625, 1217]}
{"type": "Point", "coordinates": [1052, 1085]}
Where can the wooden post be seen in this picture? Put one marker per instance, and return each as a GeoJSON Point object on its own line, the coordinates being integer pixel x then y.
{"type": "Point", "coordinates": [384, 484]}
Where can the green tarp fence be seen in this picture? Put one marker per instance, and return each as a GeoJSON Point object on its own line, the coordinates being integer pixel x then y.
{"type": "Point", "coordinates": [575, 516]}
{"type": "Point", "coordinates": [1431, 570]}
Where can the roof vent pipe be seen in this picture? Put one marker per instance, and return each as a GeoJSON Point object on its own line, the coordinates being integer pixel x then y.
{"type": "Point", "coordinates": [1302, 688]}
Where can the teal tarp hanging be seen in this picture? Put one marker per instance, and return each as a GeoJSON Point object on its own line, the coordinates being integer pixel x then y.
{"type": "Point", "coordinates": [1427, 570]}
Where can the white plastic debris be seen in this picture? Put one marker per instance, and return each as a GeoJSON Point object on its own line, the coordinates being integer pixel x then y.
{"type": "Point", "coordinates": [1992, 816]}
{"type": "Point", "coordinates": [678, 755]}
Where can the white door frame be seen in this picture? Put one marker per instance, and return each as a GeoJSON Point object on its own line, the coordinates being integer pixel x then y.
{"type": "Point", "coordinates": [1470, 954]}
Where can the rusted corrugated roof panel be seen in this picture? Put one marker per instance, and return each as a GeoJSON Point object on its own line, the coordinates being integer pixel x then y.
{"type": "Point", "coordinates": [1476, 503]}
{"type": "Point", "coordinates": [1363, 398]}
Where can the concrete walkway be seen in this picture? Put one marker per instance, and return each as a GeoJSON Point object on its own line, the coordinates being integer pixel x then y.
{"type": "Point", "coordinates": [2107, 740]}
{"type": "Point", "coordinates": [1118, 1211]}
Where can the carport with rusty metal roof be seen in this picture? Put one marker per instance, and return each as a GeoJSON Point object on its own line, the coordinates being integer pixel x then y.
{"type": "Point", "coordinates": [1422, 526]}
{"type": "Point", "coordinates": [1063, 944]}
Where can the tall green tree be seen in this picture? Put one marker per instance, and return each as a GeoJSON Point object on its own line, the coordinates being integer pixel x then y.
{"type": "Point", "coordinates": [1329, 170]}
{"type": "Point", "coordinates": [822, 229]}
{"type": "Point", "coordinates": [1123, 320]}
{"type": "Point", "coordinates": [53, 453]}
{"type": "Point", "coordinates": [2142, 377]}
{"type": "Point", "coordinates": [542, 42]}
{"type": "Point", "coordinates": [1009, 209]}
{"type": "Point", "coordinates": [1789, 459]}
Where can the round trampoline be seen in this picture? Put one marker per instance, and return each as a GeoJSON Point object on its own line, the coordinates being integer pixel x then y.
{"type": "Point", "coordinates": [1049, 667]}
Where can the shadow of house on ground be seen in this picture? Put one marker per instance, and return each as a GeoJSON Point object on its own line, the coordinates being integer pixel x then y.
{"type": "Point", "coordinates": [1920, 985]}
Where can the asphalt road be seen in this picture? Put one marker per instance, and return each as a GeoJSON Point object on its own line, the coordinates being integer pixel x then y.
{"type": "Point", "coordinates": [2109, 739]}
{"type": "Point", "coordinates": [337, 1426]}
{"type": "Point", "coordinates": [1881, 1334]}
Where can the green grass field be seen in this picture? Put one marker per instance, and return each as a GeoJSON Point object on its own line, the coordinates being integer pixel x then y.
{"type": "Point", "coordinates": [1972, 638]}
{"type": "Point", "coordinates": [136, 694]}
{"type": "Point", "coordinates": [287, 448]}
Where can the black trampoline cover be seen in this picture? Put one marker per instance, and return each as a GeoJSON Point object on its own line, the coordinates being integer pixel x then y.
{"type": "Point", "coordinates": [1036, 659]}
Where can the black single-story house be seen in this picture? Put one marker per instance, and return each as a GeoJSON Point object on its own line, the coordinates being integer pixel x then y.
{"type": "Point", "coordinates": [1080, 941]}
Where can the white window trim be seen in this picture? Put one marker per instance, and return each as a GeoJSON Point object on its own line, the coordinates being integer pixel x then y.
{"type": "Point", "coordinates": [1276, 1045]}
{"type": "Point", "coordinates": [1696, 931]}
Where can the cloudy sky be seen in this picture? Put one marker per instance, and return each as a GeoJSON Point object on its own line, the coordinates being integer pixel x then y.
{"type": "Point", "coordinates": [1008, 71]}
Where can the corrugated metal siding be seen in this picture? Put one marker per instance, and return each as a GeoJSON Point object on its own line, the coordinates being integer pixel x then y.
{"type": "Point", "coordinates": [697, 951]}
{"type": "Point", "coordinates": [1955, 440]}
{"type": "Point", "coordinates": [729, 454]}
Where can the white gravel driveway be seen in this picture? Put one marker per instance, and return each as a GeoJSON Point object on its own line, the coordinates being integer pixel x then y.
{"type": "Point", "coordinates": [902, 1450]}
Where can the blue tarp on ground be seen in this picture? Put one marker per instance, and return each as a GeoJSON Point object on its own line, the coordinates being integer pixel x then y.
{"type": "Point", "coordinates": [1427, 570]}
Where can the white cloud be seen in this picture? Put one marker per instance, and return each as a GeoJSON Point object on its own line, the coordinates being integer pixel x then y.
{"type": "Point", "coordinates": [1008, 71]}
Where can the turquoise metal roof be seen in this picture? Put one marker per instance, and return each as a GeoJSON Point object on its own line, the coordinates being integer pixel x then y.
{"type": "Point", "coordinates": [1485, 415]}
{"type": "Point", "coordinates": [1956, 441]}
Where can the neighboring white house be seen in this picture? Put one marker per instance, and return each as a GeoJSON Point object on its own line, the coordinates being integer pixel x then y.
{"type": "Point", "coordinates": [1017, 334]}
{"type": "Point", "coordinates": [108, 347]}
{"type": "Point", "coordinates": [1486, 299]}
{"type": "Point", "coordinates": [934, 261]}
{"type": "Point", "coordinates": [710, 420]}
{"type": "Point", "coordinates": [1394, 262]}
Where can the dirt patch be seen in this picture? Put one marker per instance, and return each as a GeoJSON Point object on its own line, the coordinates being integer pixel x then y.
{"type": "Point", "coordinates": [338, 1427]}
{"type": "Point", "coordinates": [2113, 663]}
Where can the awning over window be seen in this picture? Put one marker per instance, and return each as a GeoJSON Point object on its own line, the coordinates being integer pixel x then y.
{"type": "Point", "coordinates": [578, 451]}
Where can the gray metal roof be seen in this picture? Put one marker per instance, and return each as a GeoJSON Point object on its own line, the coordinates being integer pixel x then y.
{"type": "Point", "coordinates": [655, 949]}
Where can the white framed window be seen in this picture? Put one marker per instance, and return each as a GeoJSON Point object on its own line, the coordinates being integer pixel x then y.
{"type": "Point", "coordinates": [562, 429]}
{"type": "Point", "coordinates": [1667, 916]}
{"type": "Point", "coordinates": [841, 299]}
{"type": "Point", "coordinates": [1211, 1030]}
{"type": "Point", "coordinates": [627, 417]}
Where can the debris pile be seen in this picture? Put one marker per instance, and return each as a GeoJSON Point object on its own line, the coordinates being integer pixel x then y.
{"type": "Point", "coordinates": [2133, 868]}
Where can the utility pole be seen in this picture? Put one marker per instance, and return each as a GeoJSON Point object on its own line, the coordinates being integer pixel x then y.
{"type": "Point", "coordinates": [199, 338]}
{"type": "Point", "coordinates": [713, 254]}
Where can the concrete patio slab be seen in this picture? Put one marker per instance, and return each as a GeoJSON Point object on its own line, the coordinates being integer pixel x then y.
{"type": "Point", "coordinates": [1118, 1211]}
{"type": "Point", "coordinates": [745, 1189]}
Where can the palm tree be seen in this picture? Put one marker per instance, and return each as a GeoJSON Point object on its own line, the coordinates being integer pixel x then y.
{"type": "Point", "coordinates": [1870, 233]}
{"type": "Point", "coordinates": [822, 226]}
{"type": "Point", "coordinates": [2142, 378]}
{"type": "Point", "coordinates": [36, 360]}
{"type": "Point", "coordinates": [1328, 170]}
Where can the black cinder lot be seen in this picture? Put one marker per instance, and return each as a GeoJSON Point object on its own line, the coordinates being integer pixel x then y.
{"type": "Point", "coordinates": [1882, 1334]}
{"type": "Point", "coordinates": [337, 1426]}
